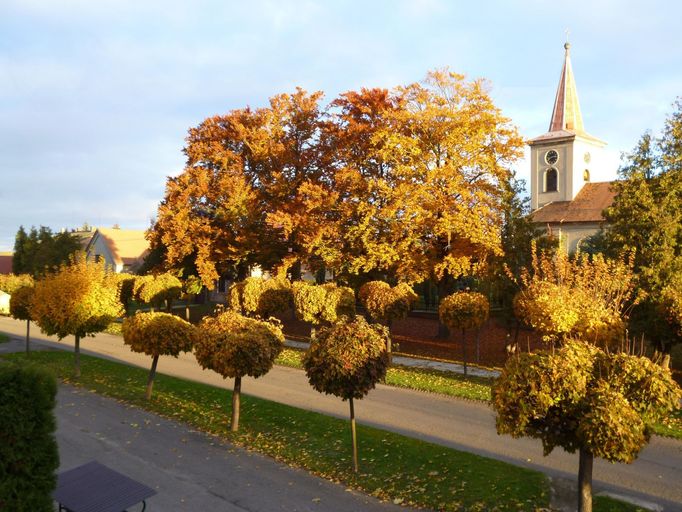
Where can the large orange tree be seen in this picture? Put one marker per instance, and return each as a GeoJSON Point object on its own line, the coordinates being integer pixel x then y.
{"type": "Point", "coordinates": [415, 191]}
{"type": "Point", "coordinates": [405, 184]}
{"type": "Point", "coordinates": [240, 167]}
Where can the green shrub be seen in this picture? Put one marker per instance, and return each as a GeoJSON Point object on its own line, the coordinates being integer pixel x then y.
{"type": "Point", "coordinates": [28, 449]}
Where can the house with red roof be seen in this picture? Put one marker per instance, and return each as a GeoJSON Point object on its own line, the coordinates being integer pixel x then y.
{"type": "Point", "coordinates": [564, 200]}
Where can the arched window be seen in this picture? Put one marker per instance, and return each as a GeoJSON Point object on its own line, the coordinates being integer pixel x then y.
{"type": "Point", "coordinates": [586, 175]}
{"type": "Point", "coordinates": [551, 180]}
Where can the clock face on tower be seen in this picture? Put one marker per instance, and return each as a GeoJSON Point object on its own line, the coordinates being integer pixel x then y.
{"type": "Point", "coordinates": [551, 157]}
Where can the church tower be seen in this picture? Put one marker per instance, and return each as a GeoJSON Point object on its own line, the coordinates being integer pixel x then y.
{"type": "Point", "coordinates": [562, 158]}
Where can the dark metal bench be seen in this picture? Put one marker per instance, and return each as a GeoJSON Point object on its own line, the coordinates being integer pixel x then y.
{"type": "Point", "coordinates": [94, 487]}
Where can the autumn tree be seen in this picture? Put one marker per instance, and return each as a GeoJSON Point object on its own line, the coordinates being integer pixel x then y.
{"type": "Point", "coordinates": [583, 399]}
{"type": "Point", "coordinates": [518, 234]}
{"type": "Point", "coordinates": [416, 191]}
{"type": "Point", "coordinates": [256, 296]}
{"type": "Point", "coordinates": [385, 304]}
{"type": "Point", "coordinates": [9, 283]}
{"type": "Point", "coordinates": [585, 297]}
{"type": "Point", "coordinates": [80, 299]}
{"type": "Point", "coordinates": [157, 289]}
{"type": "Point", "coordinates": [125, 284]}
{"type": "Point", "coordinates": [157, 334]}
{"type": "Point", "coordinates": [347, 360]}
{"type": "Point", "coordinates": [20, 308]}
{"type": "Point", "coordinates": [235, 346]}
{"type": "Point", "coordinates": [462, 311]}
{"type": "Point", "coordinates": [322, 304]}
{"type": "Point", "coordinates": [646, 216]}
{"type": "Point", "coordinates": [240, 167]}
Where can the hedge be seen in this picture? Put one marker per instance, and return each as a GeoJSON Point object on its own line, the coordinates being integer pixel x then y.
{"type": "Point", "coordinates": [28, 448]}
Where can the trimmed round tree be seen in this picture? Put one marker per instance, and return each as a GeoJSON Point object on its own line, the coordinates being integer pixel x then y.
{"type": "Point", "coordinates": [11, 282]}
{"type": "Point", "coordinates": [465, 310]}
{"type": "Point", "coordinates": [20, 308]}
{"type": "Point", "coordinates": [157, 334]}
{"type": "Point", "coordinates": [322, 304]}
{"type": "Point", "coordinates": [584, 399]}
{"type": "Point", "coordinates": [385, 304]}
{"type": "Point", "coordinates": [80, 299]}
{"type": "Point", "coordinates": [347, 360]}
{"type": "Point", "coordinates": [157, 289]}
{"type": "Point", "coordinates": [235, 346]}
{"type": "Point", "coordinates": [125, 284]}
{"type": "Point", "coordinates": [259, 297]}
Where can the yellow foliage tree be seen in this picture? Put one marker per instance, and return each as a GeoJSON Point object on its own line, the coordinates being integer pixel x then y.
{"type": "Point", "coordinates": [157, 289]}
{"type": "Point", "coordinates": [11, 282]}
{"type": "Point", "coordinates": [322, 304]}
{"type": "Point", "coordinates": [20, 308]}
{"type": "Point", "coordinates": [416, 189]}
{"type": "Point", "coordinates": [464, 310]}
{"type": "Point", "coordinates": [256, 296]}
{"type": "Point", "coordinates": [80, 299]}
{"type": "Point", "coordinates": [585, 297]}
{"type": "Point", "coordinates": [157, 334]}
{"type": "Point", "coordinates": [347, 360]}
{"type": "Point", "coordinates": [601, 404]}
{"type": "Point", "coordinates": [234, 346]}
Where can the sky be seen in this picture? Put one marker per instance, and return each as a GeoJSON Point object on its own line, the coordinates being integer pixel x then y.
{"type": "Point", "coordinates": [96, 97]}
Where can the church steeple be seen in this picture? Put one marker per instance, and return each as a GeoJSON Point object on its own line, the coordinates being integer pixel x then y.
{"type": "Point", "coordinates": [562, 159]}
{"type": "Point", "coordinates": [566, 115]}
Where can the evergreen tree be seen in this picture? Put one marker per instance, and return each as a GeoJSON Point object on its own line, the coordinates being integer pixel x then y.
{"type": "Point", "coordinates": [647, 216]}
{"type": "Point", "coordinates": [41, 250]}
{"type": "Point", "coordinates": [20, 247]}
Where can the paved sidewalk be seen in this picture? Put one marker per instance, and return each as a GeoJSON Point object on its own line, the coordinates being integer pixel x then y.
{"type": "Point", "coordinates": [466, 425]}
{"type": "Point", "coordinates": [416, 362]}
{"type": "Point", "coordinates": [190, 471]}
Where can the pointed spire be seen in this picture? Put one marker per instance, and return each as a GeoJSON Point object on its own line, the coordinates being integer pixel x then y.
{"type": "Point", "coordinates": [566, 114]}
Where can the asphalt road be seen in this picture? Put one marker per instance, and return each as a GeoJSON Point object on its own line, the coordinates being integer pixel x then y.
{"type": "Point", "coordinates": [190, 470]}
{"type": "Point", "coordinates": [656, 476]}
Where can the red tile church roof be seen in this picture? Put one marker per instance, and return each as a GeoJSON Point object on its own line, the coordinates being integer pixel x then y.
{"type": "Point", "coordinates": [587, 206]}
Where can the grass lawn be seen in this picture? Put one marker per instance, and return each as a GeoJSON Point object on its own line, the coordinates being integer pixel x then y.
{"type": "Point", "coordinates": [392, 467]}
{"type": "Point", "coordinates": [453, 384]}
{"type": "Point", "coordinates": [606, 504]}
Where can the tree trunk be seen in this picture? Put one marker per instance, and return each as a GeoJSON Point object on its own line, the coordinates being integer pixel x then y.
{"type": "Point", "coordinates": [150, 379]}
{"type": "Point", "coordinates": [445, 287]}
{"type": "Point", "coordinates": [464, 351]}
{"type": "Point", "coordinates": [585, 481]}
{"type": "Point", "coordinates": [295, 271]}
{"type": "Point", "coordinates": [478, 346]}
{"type": "Point", "coordinates": [236, 395]}
{"type": "Point", "coordinates": [28, 336]}
{"type": "Point", "coordinates": [187, 312]}
{"type": "Point", "coordinates": [353, 435]}
{"type": "Point", "coordinates": [77, 358]}
{"type": "Point", "coordinates": [389, 343]}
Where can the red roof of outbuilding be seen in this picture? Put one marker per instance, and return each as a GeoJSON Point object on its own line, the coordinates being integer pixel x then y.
{"type": "Point", "coordinates": [6, 262]}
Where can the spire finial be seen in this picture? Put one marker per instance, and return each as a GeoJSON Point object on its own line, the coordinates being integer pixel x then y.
{"type": "Point", "coordinates": [567, 45]}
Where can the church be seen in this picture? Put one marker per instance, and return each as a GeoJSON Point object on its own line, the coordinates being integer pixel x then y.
{"type": "Point", "coordinates": [563, 199]}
